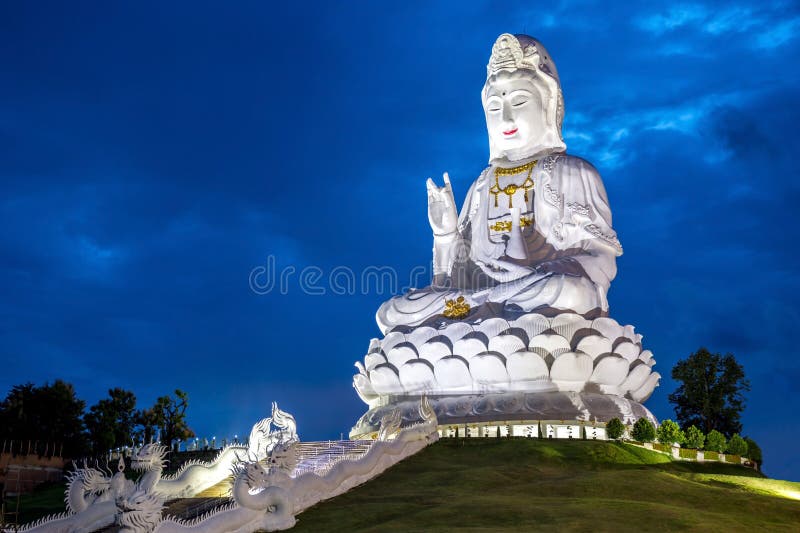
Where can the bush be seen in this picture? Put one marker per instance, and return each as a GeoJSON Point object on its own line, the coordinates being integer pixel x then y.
{"type": "Point", "coordinates": [710, 456]}
{"type": "Point", "coordinates": [688, 453]}
{"type": "Point", "coordinates": [737, 445]}
{"type": "Point", "coordinates": [662, 447]}
{"type": "Point", "coordinates": [715, 441]}
{"type": "Point", "coordinates": [753, 450]}
{"type": "Point", "coordinates": [669, 433]}
{"type": "Point", "coordinates": [694, 438]}
{"type": "Point", "coordinates": [643, 431]}
{"type": "Point", "coordinates": [732, 458]}
{"type": "Point", "coordinates": [615, 428]}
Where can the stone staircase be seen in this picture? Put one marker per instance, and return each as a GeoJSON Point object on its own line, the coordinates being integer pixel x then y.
{"type": "Point", "coordinates": [317, 456]}
{"type": "Point", "coordinates": [321, 455]}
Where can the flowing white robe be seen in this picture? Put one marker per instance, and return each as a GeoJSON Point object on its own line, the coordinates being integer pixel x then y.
{"type": "Point", "coordinates": [571, 251]}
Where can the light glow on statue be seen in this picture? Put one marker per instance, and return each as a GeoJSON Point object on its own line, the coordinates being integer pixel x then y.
{"type": "Point", "coordinates": [518, 301]}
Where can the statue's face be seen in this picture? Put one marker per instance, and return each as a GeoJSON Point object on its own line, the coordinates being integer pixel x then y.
{"type": "Point", "coordinates": [515, 114]}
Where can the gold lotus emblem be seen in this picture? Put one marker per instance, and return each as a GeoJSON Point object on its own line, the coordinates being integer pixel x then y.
{"type": "Point", "coordinates": [457, 308]}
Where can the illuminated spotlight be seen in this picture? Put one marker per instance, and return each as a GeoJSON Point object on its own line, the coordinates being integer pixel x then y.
{"type": "Point", "coordinates": [791, 494]}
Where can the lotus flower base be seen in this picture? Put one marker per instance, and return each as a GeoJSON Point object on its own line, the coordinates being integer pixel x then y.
{"type": "Point", "coordinates": [514, 367]}
{"type": "Point", "coordinates": [509, 408]}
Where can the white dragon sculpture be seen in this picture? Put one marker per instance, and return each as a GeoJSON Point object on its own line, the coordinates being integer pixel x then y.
{"type": "Point", "coordinates": [268, 498]}
{"type": "Point", "coordinates": [194, 477]}
{"type": "Point", "coordinates": [97, 499]}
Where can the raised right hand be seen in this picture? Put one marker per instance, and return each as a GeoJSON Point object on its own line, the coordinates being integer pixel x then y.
{"type": "Point", "coordinates": [442, 211]}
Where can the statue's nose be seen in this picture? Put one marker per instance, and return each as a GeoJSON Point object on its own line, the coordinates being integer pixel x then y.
{"type": "Point", "coordinates": [507, 112]}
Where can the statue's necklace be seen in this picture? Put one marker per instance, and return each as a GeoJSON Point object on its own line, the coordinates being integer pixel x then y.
{"type": "Point", "coordinates": [512, 188]}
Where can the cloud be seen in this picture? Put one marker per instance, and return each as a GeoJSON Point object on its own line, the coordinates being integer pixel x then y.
{"type": "Point", "coordinates": [778, 34]}
{"type": "Point", "coordinates": [763, 26]}
{"type": "Point", "coordinates": [675, 17]}
{"type": "Point", "coordinates": [612, 138]}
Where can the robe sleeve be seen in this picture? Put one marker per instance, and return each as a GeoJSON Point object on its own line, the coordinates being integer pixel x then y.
{"type": "Point", "coordinates": [585, 213]}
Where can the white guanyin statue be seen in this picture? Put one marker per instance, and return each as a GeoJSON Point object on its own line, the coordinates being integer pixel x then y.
{"type": "Point", "coordinates": [535, 230]}
{"type": "Point", "coordinates": [514, 326]}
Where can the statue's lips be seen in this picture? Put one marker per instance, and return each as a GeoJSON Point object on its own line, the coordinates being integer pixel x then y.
{"type": "Point", "coordinates": [510, 132]}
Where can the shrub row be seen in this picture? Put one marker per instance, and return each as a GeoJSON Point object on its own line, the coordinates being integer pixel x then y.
{"type": "Point", "coordinates": [688, 453]}
{"type": "Point", "coordinates": [711, 456]}
{"type": "Point", "coordinates": [669, 433]}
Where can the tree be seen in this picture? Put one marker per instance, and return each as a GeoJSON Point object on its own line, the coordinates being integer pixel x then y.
{"type": "Point", "coordinates": [711, 393]}
{"type": "Point", "coordinates": [615, 428]}
{"type": "Point", "coordinates": [669, 433]}
{"type": "Point", "coordinates": [737, 445]}
{"type": "Point", "coordinates": [110, 421]}
{"type": "Point", "coordinates": [754, 450]}
{"type": "Point", "coordinates": [694, 438]}
{"type": "Point", "coordinates": [643, 430]}
{"type": "Point", "coordinates": [145, 423]}
{"type": "Point", "coordinates": [715, 441]}
{"type": "Point", "coordinates": [170, 416]}
{"type": "Point", "coordinates": [50, 414]}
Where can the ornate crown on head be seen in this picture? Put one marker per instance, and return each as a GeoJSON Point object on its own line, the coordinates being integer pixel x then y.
{"type": "Point", "coordinates": [513, 52]}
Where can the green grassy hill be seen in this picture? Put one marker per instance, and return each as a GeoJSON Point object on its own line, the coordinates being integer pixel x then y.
{"type": "Point", "coordinates": [527, 484]}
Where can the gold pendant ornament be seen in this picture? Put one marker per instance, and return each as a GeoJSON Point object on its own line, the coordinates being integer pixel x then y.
{"type": "Point", "coordinates": [504, 226]}
{"type": "Point", "coordinates": [512, 188]}
{"type": "Point", "coordinates": [457, 308]}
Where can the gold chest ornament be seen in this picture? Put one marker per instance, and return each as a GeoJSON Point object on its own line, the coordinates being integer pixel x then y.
{"type": "Point", "coordinates": [510, 189]}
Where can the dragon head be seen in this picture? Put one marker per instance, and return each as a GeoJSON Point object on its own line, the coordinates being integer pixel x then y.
{"type": "Point", "coordinates": [263, 437]}
{"type": "Point", "coordinates": [149, 457]}
{"type": "Point", "coordinates": [139, 511]}
{"type": "Point", "coordinates": [390, 424]}
{"type": "Point", "coordinates": [284, 457]}
{"type": "Point", "coordinates": [256, 475]}
{"type": "Point", "coordinates": [94, 481]}
{"type": "Point", "coordinates": [284, 421]}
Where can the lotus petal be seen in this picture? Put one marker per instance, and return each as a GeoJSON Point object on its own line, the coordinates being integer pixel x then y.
{"type": "Point", "coordinates": [643, 393]}
{"type": "Point", "coordinates": [456, 331]}
{"type": "Point", "coordinates": [452, 374]}
{"type": "Point", "coordinates": [635, 379]}
{"type": "Point", "coordinates": [391, 340]}
{"type": "Point", "coordinates": [610, 371]}
{"type": "Point", "coordinates": [488, 370]}
{"type": "Point", "coordinates": [421, 334]}
{"type": "Point", "coordinates": [364, 388]}
{"type": "Point", "coordinates": [385, 380]}
{"type": "Point", "coordinates": [532, 323]}
{"type": "Point", "coordinates": [567, 324]}
{"type": "Point", "coordinates": [634, 364]}
{"type": "Point", "coordinates": [371, 360]}
{"type": "Point", "coordinates": [571, 370]}
{"type": "Point", "coordinates": [435, 349]}
{"type": "Point", "coordinates": [374, 345]}
{"type": "Point", "coordinates": [519, 333]}
{"type": "Point", "coordinates": [417, 376]}
{"type": "Point", "coordinates": [646, 356]}
{"type": "Point", "coordinates": [360, 367]}
{"type": "Point", "coordinates": [527, 366]}
{"type": "Point", "coordinates": [491, 327]}
{"type": "Point", "coordinates": [594, 346]}
{"type": "Point", "coordinates": [506, 344]}
{"type": "Point", "coordinates": [608, 328]}
{"type": "Point", "coordinates": [401, 353]}
{"type": "Point", "coordinates": [628, 350]}
{"type": "Point", "coordinates": [631, 335]}
{"type": "Point", "coordinates": [549, 344]}
{"type": "Point", "coordinates": [473, 343]}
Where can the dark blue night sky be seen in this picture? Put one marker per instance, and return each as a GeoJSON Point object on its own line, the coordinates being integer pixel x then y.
{"type": "Point", "coordinates": [153, 154]}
